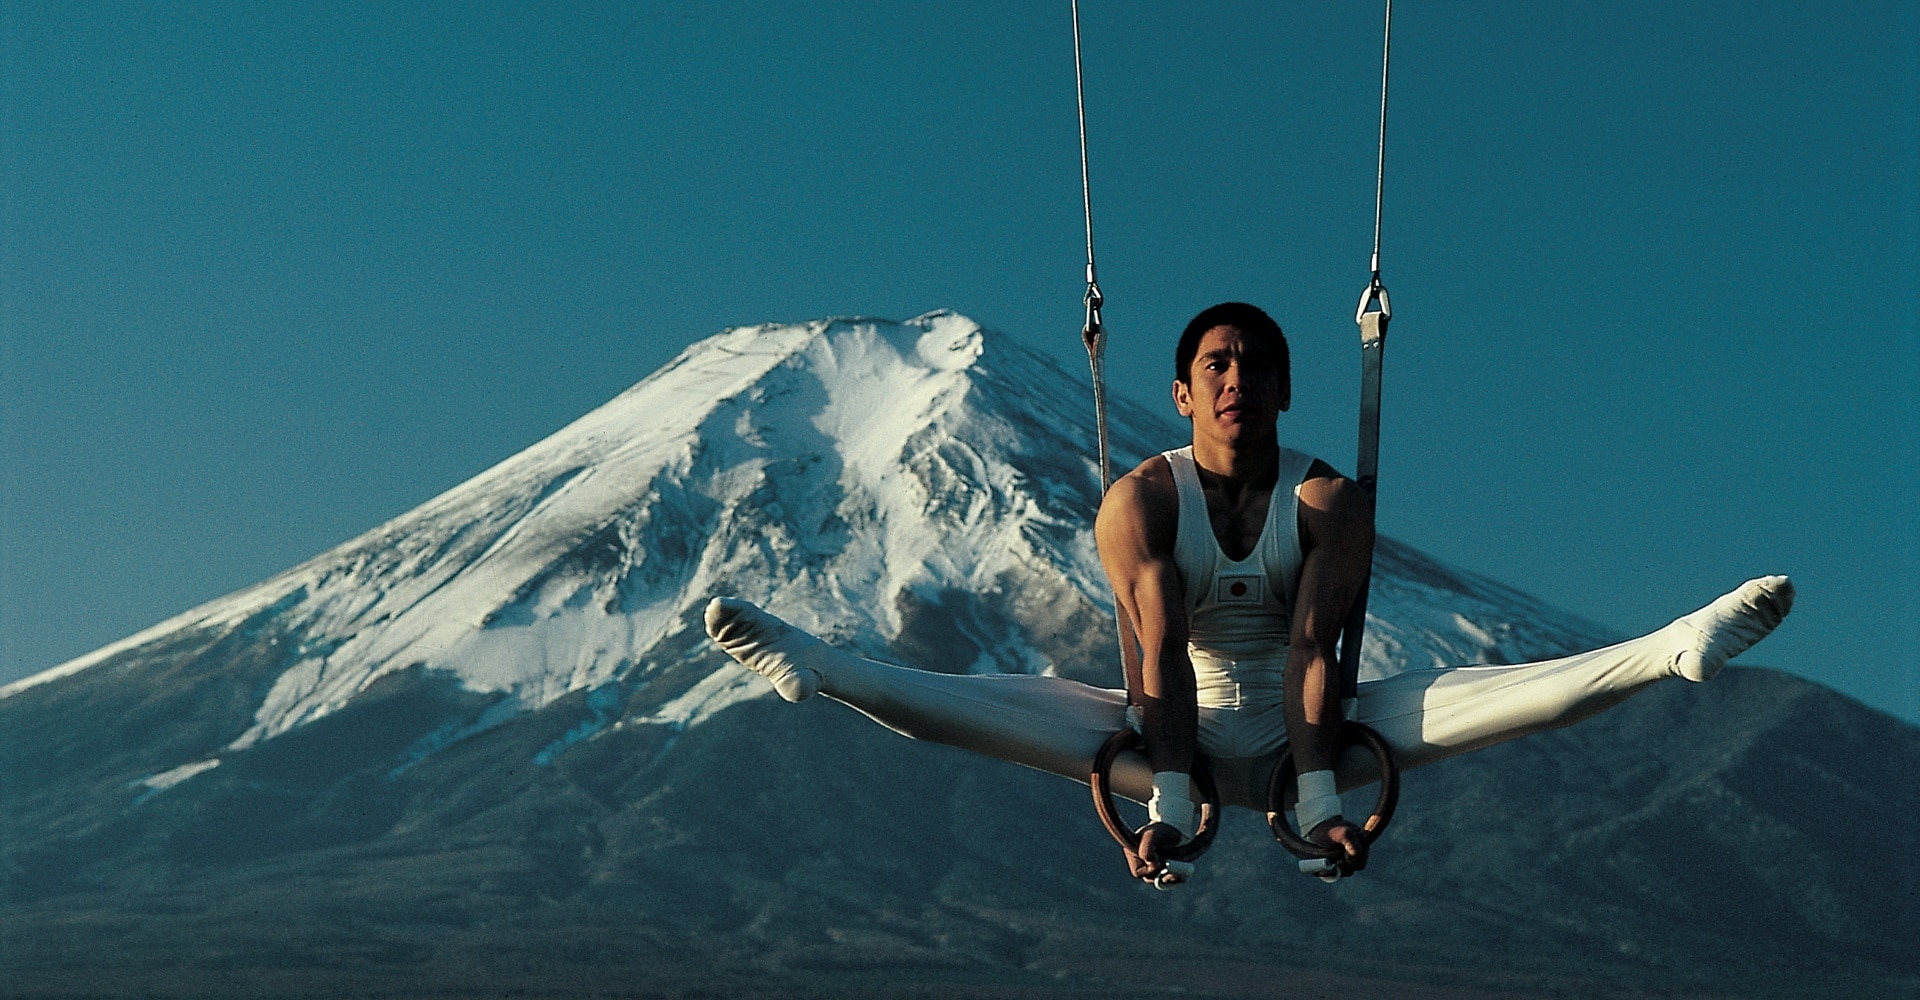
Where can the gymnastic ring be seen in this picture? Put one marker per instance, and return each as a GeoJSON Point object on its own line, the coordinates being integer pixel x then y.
{"type": "Point", "coordinates": [1283, 776]}
{"type": "Point", "coordinates": [1187, 850]}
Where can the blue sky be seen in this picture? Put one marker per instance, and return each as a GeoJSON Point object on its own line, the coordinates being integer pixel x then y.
{"type": "Point", "coordinates": [276, 273]}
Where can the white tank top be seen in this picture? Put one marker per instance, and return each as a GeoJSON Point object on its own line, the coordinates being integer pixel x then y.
{"type": "Point", "coordinates": [1239, 611]}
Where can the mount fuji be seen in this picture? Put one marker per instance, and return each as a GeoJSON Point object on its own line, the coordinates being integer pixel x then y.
{"type": "Point", "coordinates": [486, 746]}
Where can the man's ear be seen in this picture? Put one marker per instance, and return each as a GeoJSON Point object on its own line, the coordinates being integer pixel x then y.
{"type": "Point", "coordinates": [1183, 398]}
{"type": "Point", "coordinates": [1286, 393]}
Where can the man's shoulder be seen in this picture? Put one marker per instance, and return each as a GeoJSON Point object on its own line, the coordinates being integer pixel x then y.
{"type": "Point", "coordinates": [1318, 468]}
{"type": "Point", "coordinates": [1146, 492]}
{"type": "Point", "coordinates": [1152, 478]}
{"type": "Point", "coordinates": [1329, 489]}
{"type": "Point", "coordinates": [1335, 507]}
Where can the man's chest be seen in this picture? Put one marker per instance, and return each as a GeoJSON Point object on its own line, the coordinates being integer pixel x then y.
{"type": "Point", "coordinates": [1238, 520]}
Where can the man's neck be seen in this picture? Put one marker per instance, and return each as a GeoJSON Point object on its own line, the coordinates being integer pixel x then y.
{"type": "Point", "coordinates": [1242, 464]}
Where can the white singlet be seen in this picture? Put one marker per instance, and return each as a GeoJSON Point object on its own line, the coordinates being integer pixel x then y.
{"type": "Point", "coordinates": [1240, 611]}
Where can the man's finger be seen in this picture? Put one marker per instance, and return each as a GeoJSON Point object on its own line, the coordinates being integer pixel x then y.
{"type": "Point", "coordinates": [1352, 844]}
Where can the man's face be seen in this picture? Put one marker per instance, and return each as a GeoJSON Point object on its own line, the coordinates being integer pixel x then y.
{"type": "Point", "coordinates": [1233, 387]}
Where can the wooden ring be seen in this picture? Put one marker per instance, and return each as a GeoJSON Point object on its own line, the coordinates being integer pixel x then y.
{"type": "Point", "coordinates": [1283, 776]}
{"type": "Point", "coordinates": [1187, 850]}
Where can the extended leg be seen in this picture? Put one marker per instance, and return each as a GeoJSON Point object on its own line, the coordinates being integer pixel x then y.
{"type": "Point", "coordinates": [1428, 715]}
{"type": "Point", "coordinates": [1048, 723]}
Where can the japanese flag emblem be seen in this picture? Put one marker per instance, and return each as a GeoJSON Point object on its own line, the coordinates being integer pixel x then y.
{"type": "Point", "coordinates": [1239, 588]}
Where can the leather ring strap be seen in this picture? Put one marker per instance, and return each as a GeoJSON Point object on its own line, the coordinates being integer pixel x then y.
{"type": "Point", "coordinates": [1283, 777]}
{"type": "Point", "coordinates": [1128, 838]}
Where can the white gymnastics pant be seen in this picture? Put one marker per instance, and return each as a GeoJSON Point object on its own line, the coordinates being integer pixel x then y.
{"type": "Point", "coordinates": [1058, 725]}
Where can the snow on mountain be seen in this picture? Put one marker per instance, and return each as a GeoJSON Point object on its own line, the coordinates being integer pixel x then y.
{"type": "Point", "coordinates": [843, 472]}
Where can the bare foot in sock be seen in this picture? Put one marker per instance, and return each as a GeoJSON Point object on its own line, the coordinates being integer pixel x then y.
{"type": "Point", "coordinates": [764, 644]}
{"type": "Point", "coordinates": [1726, 628]}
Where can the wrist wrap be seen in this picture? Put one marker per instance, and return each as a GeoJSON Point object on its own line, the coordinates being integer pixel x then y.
{"type": "Point", "coordinates": [1170, 803]}
{"type": "Point", "coordinates": [1319, 800]}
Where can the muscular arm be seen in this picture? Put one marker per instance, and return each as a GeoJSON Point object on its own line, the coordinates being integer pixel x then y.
{"type": "Point", "coordinates": [1135, 532]}
{"type": "Point", "coordinates": [1336, 522]}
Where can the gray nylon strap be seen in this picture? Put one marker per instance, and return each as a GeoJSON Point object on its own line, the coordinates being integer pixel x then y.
{"type": "Point", "coordinates": [1373, 345]}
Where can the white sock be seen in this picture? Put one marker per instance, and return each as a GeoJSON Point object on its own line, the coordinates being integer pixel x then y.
{"type": "Point", "coordinates": [1711, 636]}
{"type": "Point", "coordinates": [764, 644]}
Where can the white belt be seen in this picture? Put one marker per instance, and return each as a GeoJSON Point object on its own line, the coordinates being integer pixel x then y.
{"type": "Point", "coordinates": [1224, 682]}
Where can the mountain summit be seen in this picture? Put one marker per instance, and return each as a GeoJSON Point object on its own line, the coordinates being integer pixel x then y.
{"type": "Point", "coordinates": [848, 474]}
{"type": "Point", "coordinates": [486, 749]}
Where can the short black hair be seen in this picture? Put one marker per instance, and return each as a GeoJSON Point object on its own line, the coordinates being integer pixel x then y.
{"type": "Point", "coordinates": [1252, 321]}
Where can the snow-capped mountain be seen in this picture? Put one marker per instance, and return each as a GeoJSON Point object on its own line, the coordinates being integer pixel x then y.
{"type": "Point", "coordinates": [844, 472]}
{"type": "Point", "coordinates": [486, 749]}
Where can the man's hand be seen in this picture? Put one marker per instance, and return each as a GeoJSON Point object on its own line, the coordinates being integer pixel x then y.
{"type": "Point", "coordinates": [1337, 832]}
{"type": "Point", "coordinates": [1145, 861]}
